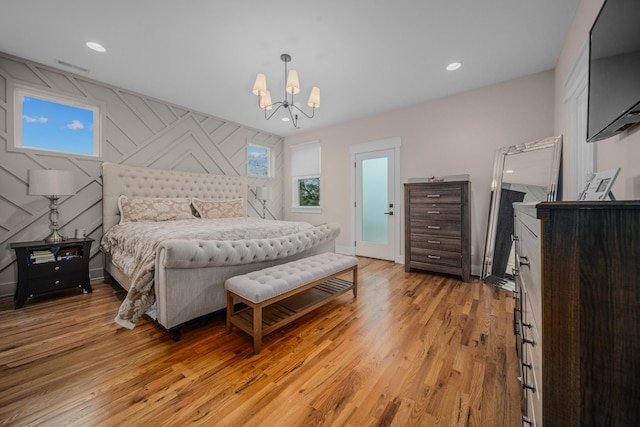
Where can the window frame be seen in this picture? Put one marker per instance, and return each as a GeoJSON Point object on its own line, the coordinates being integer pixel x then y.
{"type": "Point", "coordinates": [295, 180]}
{"type": "Point", "coordinates": [19, 92]}
{"type": "Point", "coordinates": [269, 160]}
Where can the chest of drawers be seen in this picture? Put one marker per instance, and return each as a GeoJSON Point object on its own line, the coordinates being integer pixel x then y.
{"type": "Point", "coordinates": [437, 227]}
{"type": "Point", "coordinates": [577, 316]}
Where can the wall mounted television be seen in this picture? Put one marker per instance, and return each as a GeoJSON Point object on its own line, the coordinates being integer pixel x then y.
{"type": "Point", "coordinates": [614, 70]}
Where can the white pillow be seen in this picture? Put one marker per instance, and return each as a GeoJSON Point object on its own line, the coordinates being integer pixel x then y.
{"type": "Point", "coordinates": [136, 209]}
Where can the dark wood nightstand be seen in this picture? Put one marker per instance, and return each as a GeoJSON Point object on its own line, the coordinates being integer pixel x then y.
{"type": "Point", "coordinates": [48, 267]}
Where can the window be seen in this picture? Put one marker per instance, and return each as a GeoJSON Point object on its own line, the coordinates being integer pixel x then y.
{"type": "Point", "coordinates": [305, 171]}
{"type": "Point", "coordinates": [258, 160]}
{"type": "Point", "coordinates": [44, 121]}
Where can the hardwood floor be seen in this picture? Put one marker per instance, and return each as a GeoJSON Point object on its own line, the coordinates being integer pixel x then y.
{"type": "Point", "coordinates": [412, 349]}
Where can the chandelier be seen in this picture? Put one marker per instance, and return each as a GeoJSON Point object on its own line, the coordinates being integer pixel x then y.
{"type": "Point", "coordinates": [292, 87]}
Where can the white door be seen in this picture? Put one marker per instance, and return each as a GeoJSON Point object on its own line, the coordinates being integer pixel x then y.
{"type": "Point", "coordinates": [376, 214]}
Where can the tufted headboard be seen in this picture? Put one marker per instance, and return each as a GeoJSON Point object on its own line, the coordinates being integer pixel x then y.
{"type": "Point", "coordinates": [135, 181]}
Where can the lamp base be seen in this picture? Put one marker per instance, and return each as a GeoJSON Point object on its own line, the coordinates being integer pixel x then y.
{"type": "Point", "coordinates": [54, 237]}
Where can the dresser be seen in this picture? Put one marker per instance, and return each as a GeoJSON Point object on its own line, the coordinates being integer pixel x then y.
{"type": "Point", "coordinates": [577, 312]}
{"type": "Point", "coordinates": [438, 227]}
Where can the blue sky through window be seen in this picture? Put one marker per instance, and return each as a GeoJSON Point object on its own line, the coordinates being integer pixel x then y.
{"type": "Point", "coordinates": [53, 126]}
{"type": "Point", "coordinates": [258, 159]}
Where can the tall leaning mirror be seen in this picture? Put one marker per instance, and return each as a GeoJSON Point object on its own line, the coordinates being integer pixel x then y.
{"type": "Point", "coordinates": [526, 173]}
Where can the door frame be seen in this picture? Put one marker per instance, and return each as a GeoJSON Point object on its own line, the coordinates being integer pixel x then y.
{"type": "Point", "coordinates": [366, 147]}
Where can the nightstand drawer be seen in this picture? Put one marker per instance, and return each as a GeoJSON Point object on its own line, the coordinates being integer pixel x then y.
{"type": "Point", "coordinates": [51, 269]}
{"type": "Point", "coordinates": [56, 282]}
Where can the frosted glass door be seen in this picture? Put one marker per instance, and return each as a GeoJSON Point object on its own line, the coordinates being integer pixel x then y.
{"type": "Point", "coordinates": [375, 213]}
{"type": "Point", "coordinates": [374, 200]}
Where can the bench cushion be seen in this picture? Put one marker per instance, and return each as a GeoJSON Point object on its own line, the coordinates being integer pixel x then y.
{"type": "Point", "coordinates": [261, 285]}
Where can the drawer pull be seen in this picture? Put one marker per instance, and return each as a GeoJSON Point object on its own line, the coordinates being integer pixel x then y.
{"type": "Point", "coordinates": [433, 196]}
{"type": "Point", "coordinates": [526, 341]}
{"type": "Point", "coordinates": [434, 227]}
{"type": "Point", "coordinates": [432, 212]}
{"type": "Point", "coordinates": [433, 256]}
{"type": "Point", "coordinates": [526, 420]}
{"type": "Point", "coordinates": [528, 386]}
{"type": "Point", "coordinates": [515, 238]}
{"type": "Point", "coordinates": [523, 260]}
{"type": "Point", "coordinates": [528, 325]}
{"type": "Point", "coordinates": [56, 268]}
{"type": "Point", "coordinates": [435, 242]}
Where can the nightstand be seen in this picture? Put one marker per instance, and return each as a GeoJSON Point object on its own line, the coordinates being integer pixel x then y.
{"type": "Point", "coordinates": [48, 267]}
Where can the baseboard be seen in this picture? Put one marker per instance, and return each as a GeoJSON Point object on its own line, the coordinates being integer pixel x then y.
{"type": "Point", "coordinates": [345, 250]}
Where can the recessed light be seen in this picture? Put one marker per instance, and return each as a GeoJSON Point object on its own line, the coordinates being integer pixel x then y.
{"type": "Point", "coordinates": [286, 119]}
{"type": "Point", "coordinates": [96, 46]}
{"type": "Point", "coordinates": [508, 171]}
{"type": "Point", "coordinates": [454, 66]}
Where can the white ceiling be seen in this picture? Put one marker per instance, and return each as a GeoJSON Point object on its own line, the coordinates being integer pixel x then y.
{"type": "Point", "coordinates": [367, 56]}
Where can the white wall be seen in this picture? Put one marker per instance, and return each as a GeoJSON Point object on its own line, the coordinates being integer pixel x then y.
{"type": "Point", "coordinates": [620, 151]}
{"type": "Point", "coordinates": [454, 135]}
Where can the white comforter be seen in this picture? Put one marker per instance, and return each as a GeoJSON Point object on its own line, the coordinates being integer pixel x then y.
{"type": "Point", "coordinates": [132, 247]}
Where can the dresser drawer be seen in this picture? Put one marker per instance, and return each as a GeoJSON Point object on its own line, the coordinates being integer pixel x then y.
{"type": "Point", "coordinates": [435, 228]}
{"type": "Point", "coordinates": [528, 261]}
{"type": "Point", "coordinates": [435, 194]}
{"type": "Point", "coordinates": [436, 257]}
{"type": "Point", "coordinates": [426, 241]}
{"type": "Point", "coordinates": [437, 212]}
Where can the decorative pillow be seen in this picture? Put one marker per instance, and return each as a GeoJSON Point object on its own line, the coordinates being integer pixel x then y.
{"type": "Point", "coordinates": [209, 209]}
{"type": "Point", "coordinates": [153, 209]}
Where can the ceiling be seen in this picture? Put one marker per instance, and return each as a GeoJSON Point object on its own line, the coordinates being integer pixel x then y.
{"type": "Point", "coordinates": [367, 56]}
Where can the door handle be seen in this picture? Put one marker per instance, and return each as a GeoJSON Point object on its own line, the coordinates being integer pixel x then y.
{"type": "Point", "coordinates": [389, 213]}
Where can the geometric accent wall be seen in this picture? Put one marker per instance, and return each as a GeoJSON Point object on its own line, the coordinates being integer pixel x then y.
{"type": "Point", "coordinates": [136, 130]}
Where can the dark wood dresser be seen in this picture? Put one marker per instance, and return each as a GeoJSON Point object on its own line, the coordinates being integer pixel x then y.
{"type": "Point", "coordinates": [438, 227]}
{"type": "Point", "coordinates": [578, 312]}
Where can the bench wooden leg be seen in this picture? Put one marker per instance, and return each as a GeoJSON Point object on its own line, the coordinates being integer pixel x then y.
{"type": "Point", "coordinates": [355, 281]}
{"type": "Point", "coordinates": [229, 310]}
{"type": "Point", "coordinates": [257, 329]}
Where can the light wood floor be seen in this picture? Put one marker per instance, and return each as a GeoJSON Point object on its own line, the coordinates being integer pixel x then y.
{"type": "Point", "coordinates": [412, 349]}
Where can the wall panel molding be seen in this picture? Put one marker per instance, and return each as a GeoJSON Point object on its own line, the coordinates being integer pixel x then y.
{"type": "Point", "coordinates": [136, 130]}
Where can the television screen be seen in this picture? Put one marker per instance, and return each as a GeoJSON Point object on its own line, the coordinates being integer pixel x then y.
{"type": "Point", "coordinates": [614, 69]}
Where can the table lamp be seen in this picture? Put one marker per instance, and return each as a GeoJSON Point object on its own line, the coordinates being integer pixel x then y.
{"type": "Point", "coordinates": [263, 194]}
{"type": "Point", "coordinates": [52, 184]}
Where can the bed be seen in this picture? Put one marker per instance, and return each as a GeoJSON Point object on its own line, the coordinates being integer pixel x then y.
{"type": "Point", "coordinates": [176, 260]}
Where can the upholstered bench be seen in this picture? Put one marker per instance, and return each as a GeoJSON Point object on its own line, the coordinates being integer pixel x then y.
{"type": "Point", "coordinates": [278, 295]}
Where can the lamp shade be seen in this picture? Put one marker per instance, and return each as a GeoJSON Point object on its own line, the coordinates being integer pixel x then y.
{"type": "Point", "coordinates": [293, 84]}
{"type": "Point", "coordinates": [264, 193]}
{"type": "Point", "coordinates": [50, 182]}
{"type": "Point", "coordinates": [260, 86]}
{"type": "Point", "coordinates": [314, 97]}
{"type": "Point", "coordinates": [265, 101]}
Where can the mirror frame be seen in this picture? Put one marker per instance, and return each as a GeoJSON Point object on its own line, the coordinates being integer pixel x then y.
{"type": "Point", "coordinates": [555, 143]}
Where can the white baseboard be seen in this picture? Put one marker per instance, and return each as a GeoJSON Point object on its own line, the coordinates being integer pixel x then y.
{"type": "Point", "coordinates": [345, 250]}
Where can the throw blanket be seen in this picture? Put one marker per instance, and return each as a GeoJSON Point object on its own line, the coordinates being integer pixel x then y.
{"type": "Point", "coordinates": [133, 246]}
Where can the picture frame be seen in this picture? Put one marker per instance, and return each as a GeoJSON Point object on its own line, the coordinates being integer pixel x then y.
{"type": "Point", "coordinates": [599, 184]}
